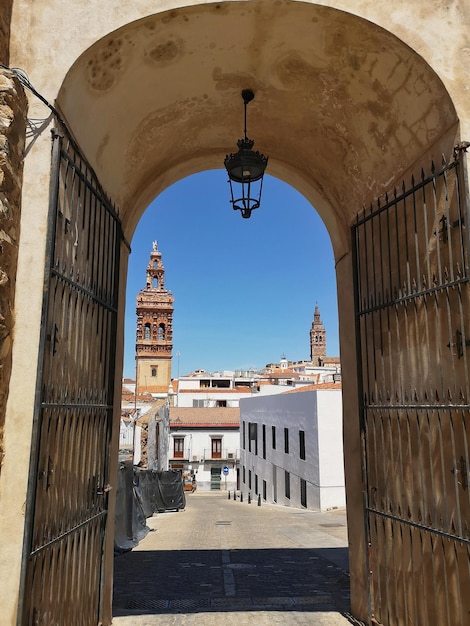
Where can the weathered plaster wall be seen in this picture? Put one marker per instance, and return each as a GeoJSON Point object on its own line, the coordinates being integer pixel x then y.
{"type": "Point", "coordinates": [340, 91]}
{"type": "Point", "coordinates": [12, 133]}
{"type": "Point", "coordinates": [437, 30]}
{"type": "Point", "coordinates": [340, 100]}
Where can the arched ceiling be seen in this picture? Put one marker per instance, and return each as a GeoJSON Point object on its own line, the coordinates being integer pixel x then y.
{"type": "Point", "coordinates": [342, 107]}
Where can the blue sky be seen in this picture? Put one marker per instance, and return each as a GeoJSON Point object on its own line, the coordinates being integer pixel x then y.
{"type": "Point", "coordinates": [245, 289]}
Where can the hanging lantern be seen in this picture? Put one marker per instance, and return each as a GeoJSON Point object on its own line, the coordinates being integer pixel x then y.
{"type": "Point", "coordinates": [245, 170]}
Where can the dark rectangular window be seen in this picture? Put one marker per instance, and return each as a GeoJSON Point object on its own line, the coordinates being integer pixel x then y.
{"type": "Point", "coordinates": [286, 440]}
{"type": "Point", "coordinates": [178, 447]}
{"type": "Point", "coordinates": [249, 479]}
{"type": "Point", "coordinates": [303, 492]}
{"type": "Point", "coordinates": [274, 483]}
{"type": "Point", "coordinates": [256, 484]}
{"type": "Point", "coordinates": [253, 436]}
{"type": "Point", "coordinates": [221, 383]}
{"type": "Point", "coordinates": [287, 482]}
{"type": "Point", "coordinates": [273, 435]}
{"type": "Point", "coordinates": [264, 441]}
{"type": "Point", "coordinates": [264, 490]}
{"type": "Point", "coordinates": [244, 476]}
{"type": "Point", "coordinates": [302, 444]}
{"type": "Point", "coordinates": [243, 436]}
{"type": "Point", "coordinates": [216, 448]}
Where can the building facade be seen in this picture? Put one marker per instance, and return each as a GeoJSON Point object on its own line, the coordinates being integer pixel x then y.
{"type": "Point", "coordinates": [204, 443]}
{"type": "Point", "coordinates": [291, 448]}
{"type": "Point", "coordinates": [154, 337]}
{"type": "Point", "coordinates": [226, 388]}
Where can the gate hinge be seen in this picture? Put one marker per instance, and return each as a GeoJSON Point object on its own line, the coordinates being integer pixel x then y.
{"type": "Point", "coordinates": [443, 233]}
{"type": "Point", "coordinates": [459, 343]}
{"type": "Point", "coordinates": [461, 147]}
{"type": "Point", "coordinates": [52, 337]}
{"type": "Point", "coordinates": [463, 471]}
{"type": "Point", "coordinates": [102, 490]}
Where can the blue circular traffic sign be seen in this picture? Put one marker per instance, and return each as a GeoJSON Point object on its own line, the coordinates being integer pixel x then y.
{"type": "Point", "coordinates": [225, 469]}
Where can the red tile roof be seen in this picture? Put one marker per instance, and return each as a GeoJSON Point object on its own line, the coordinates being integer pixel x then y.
{"type": "Point", "coordinates": [223, 417]}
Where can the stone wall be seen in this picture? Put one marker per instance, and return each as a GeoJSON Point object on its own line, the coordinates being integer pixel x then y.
{"type": "Point", "coordinates": [5, 17]}
{"type": "Point", "coordinates": [13, 108]}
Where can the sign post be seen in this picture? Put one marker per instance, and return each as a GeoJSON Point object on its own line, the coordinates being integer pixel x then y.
{"type": "Point", "coordinates": [225, 472]}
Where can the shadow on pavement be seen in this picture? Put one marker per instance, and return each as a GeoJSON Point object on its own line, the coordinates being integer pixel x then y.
{"type": "Point", "coordinates": [192, 581]}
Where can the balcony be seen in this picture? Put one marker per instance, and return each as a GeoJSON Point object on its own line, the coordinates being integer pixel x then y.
{"type": "Point", "coordinates": [222, 455]}
{"type": "Point", "coordinates": [180, 455]}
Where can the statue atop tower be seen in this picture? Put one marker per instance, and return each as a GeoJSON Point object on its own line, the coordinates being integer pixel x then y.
{"type": "Point", "coordinates": [154, 336]}
{"type": "Point", "coordinates": [317, 339]}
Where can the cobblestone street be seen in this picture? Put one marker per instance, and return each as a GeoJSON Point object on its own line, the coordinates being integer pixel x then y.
{"type": "Point", "coordinates": [243, 563]}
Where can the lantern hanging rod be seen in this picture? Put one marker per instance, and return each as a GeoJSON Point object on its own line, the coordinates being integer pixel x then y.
{"type": "Point", "coordinates": [247, 96]}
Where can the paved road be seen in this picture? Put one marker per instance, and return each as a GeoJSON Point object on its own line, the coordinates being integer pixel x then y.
{"type": "Point", "coordinates": [241, 563]}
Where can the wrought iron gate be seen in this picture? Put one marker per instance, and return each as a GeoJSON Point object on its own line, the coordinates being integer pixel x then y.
{"type": "Point", "coordinates": [413, 323]}
{"type": "Point", "coordinates": [67, 514]}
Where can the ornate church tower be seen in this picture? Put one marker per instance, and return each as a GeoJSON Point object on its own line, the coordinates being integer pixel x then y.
{"type": "Point", "coordinates": [154, 330]}
{"type": "Point", "coordinates": [317, 339]}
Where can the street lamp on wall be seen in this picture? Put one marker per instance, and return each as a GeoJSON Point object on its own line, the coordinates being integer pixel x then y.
{"type": "Point", "coordinates": [245, 170]}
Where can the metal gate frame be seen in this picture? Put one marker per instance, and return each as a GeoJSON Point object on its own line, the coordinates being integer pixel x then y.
{"type": "Point", "coordinates": [412, 301]}
{"type": "Point", "coordinates": [66, 514]}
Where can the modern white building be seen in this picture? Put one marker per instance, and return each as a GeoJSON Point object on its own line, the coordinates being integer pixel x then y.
{"type": "Point", "coordinates": [292, 447]}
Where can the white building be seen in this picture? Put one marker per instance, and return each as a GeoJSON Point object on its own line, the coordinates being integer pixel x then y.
{"type": "Point", "coordinates": [220, 389]}
{"type": "Point", "coordinates": [225, 389]}
{"type": "Point", "coordinates": [292, 447]}
{"type": "Point", "coordinates": [205, 444]}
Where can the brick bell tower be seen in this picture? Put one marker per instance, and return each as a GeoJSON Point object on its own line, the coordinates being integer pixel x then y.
{"type": "Point", "coordinates": [317, 339]}
{"type": "Point", "coordinates": [153, 349]}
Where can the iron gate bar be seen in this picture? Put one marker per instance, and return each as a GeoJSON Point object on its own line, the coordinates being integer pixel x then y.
{"type": "Point", "coordinates": [412, 296]}
{"type": "Point", "coordinates": [360, 382]}
{"type": "Point", "coordinates": [64, 405]}
{"type": "Point", "coordinates": [415, 187]}
{"type": "Point", "coordinates": [104, 303]}
{"type": "Point", "coordinates": [66, 533]}
{"type": "Point", "coordinates": [388, 407]}
{"type": "Point", "coordinates": [417, 525]}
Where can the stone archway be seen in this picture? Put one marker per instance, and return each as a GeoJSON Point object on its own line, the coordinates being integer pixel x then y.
{"type": "Point", "coordinates": [344, 109]}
